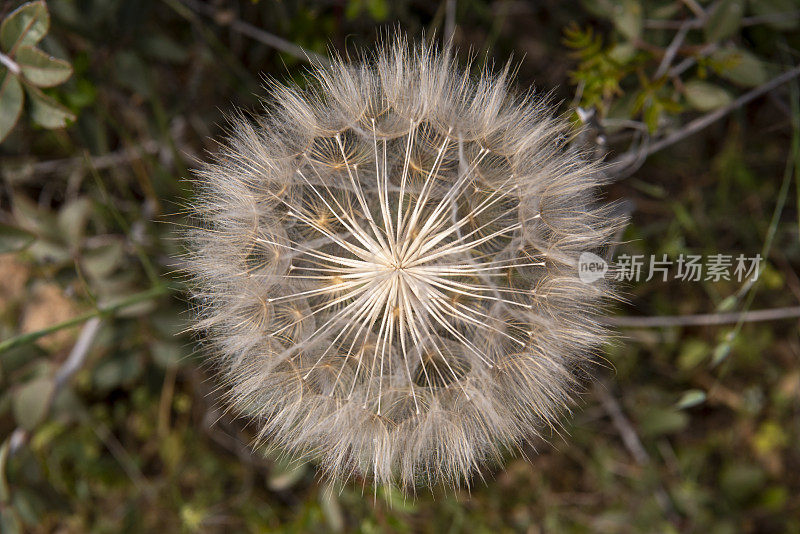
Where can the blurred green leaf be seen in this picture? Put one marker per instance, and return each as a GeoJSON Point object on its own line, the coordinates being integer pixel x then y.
{"type": "Point", "coordinates": [721, 352]}
{"type": "Point", "coordinates": [9, 522]}
{"type": "Point", "coordinates": [705, 96]}
{"type": "Point", "coordinates": [659, 421]}
{"type": "Point", "coordinates": [599, 8]}
{"type": "Point", "coordinates": [770, 438]}
{"type": "Point", "coordinates": [28, 505]}
{"type": "Point", "coordinates": [72, 219]}
{"type": "Point", "coordinates": [46, 112]}
{"type": "Point", "coordinates": [782, 13]}
{"type": "Point", "coordinates": [25, 26]}
{"type": "Point", "coordinates": [664, 11]}
{"type": "Point", "coordinates": [41, 69]}
{"type": "Point", "coordinates": [131, 71]}
{"type": "Point", "coordinates": [690, 398]}
{"type": "Point", "coordinates": [31, 400]}
{"type": "Point", "coordinates": [81, 94]}
{"type": "Point", "coordinates": [353, 9]}
{"type": "Point", "coordinates": [285, 473]}
{"type": "Point", "coordinates": [14, 239]}
{"type": "Point", "coordinates": [774, 498]}
{"type": "Point", "coordinates": [651, 115]}
{"type": "Point", "coordinates": [741, 482]}
{"type": "Point", "coordinates": [727, 304]}
{"type": "Point", "coordinates": [102, 261]}
{"type": "Point", "coordinates": [622, 53]}
{"type": "Point", "coordinates": [162, 47]}
{"type": "Point", "coordinates": [739, 66]}
{"type": "Point", "coordinates": [378, 9]}
{"type": "Point", "coordinates": [167, 353]}
{"type": "Point", "coordinates": [193, 517]}
{"type": "Point", "coordinates": [627, 18]}
{"type": "Point", "coordinates": [332, 509]}
{"type": "Point", "coordinates": [693, 353]}
{"type": "Point", "coordinates": [39, 220]}
{"type": "Point", "coordinates": [11, 99]}
{"type": "Point", "coordinates": [172, 450]}
{"type": "Point", "coordinates": [117, 371]}
{"type": "Point", "coordinates": [724, 20]}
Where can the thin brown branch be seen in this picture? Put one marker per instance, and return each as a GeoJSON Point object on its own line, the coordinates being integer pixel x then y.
{"type": "Point", "coordinates": [689, 62]}
{"type": "Point", "coordinates": [116, 158]}
{"type": "Point", "coordinates": [671, 51]}
{"type": "Point", "coordinates": [263, 36]}
{"type": "Point", "coordinates": [704, 319]}
{"type": "Point", "coordinates": [696, 24]}
{"type": "Point", "coordinates": [632, 443]}
{"type": "Point", "coordinates": [696, 8]}
{"type": "Point", "coordinates": [623, 426]}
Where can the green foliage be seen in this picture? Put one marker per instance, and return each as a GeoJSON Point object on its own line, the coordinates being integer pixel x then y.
{"type": "Point", "coordinates": [724, 20]}
{"type": "Point", "coordinates": [22, 65]}
{"type": "Point", "coordinates": [704, 96]}
{"type": "Point", "coordinates": [14, 239]}
{"type": "Point", "coordinates": [31, 400]}
{"type": "Point", "coordinates": [135, 440]}
{"type": "Point", "coordinates": [738, 66]}
{"type": "Point", "coordinates": [377, 9]}
{"type": "Point", "coordinates": [687, 63]}
{"type": "Point", "coordinates": [600, 69]}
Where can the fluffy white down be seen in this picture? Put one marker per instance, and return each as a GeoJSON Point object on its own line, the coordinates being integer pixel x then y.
{"type": "Point", "coordinates": [385, 267]}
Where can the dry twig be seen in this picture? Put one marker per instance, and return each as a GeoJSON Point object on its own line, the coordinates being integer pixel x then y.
{"type": "Point", "coordinates": [263, 36]}
{"type": "Point", "coordinates": [704, 319]}
{"type": "Point", "coordinates": [632, 443]}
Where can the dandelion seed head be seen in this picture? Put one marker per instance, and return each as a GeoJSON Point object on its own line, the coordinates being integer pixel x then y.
{"type": "Point", "coordinates": [385, 267]}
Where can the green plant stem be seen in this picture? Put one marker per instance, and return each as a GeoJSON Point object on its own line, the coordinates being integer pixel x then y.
{"type": "Point", "coordinates": [106, 311]}
{"type": "Point", "coordinates": [791, 166]}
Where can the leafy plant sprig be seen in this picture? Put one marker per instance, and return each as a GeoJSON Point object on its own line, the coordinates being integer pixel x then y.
{"type": "Point", "coordinates": [662, 59]}
{"type": "Point", "coordinates": [24, 68]}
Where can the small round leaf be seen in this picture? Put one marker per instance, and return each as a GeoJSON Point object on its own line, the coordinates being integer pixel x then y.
{"type": "Point", "coordinates": [14, 239]}
{"type": "Point", "coordinates": [31, 401]}
{"type": "Point", "coordinates": [724, 20]}
{"type": "Point", "coordinates": [41, 69]}
{"type": "Point", "coordinates": [779, 14]}
{"type": "Point", "coordinates": [690, 398]}
{"type": "Point", "coordinates": [704, 96]}
{"type": "Point", "coordinates": [11, 99]}
{"type": "Point", "coordinates": [25, 26]}
{"type": "Point", "coordinates": [627, 18]}
{"type": "Point", "coordinates": [46, 112]}
{"type": "Point", "coordinates": [739, 66]}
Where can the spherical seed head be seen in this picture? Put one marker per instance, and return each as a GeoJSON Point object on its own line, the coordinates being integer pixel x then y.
{"type": "Point", "coordinates": [385, 267]}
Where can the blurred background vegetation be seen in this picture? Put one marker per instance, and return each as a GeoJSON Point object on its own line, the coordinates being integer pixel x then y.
{"type": "Point", "coordinates": [109, 420]}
